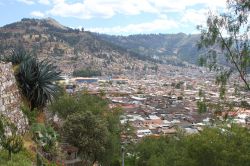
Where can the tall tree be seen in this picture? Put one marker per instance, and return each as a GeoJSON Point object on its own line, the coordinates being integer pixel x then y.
{"type": "Point", "coordinates": [68, 106]}
{"type": "Point", "coordinates": [9, 138]}
{"type": "Point", "coordinates": [227, 37]}
{"type": "Point", "coordinates": [213, 146]}
{"type": "Point", "coordinates": [89, 133]}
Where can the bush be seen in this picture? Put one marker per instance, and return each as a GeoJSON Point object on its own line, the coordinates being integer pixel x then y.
{"type": "Point", "coordinates": [31, 115]}
{"type": "Point", "coordinates": [46, 137]}
{"type": "Point", "coordinates": [21, 159]}
{"type": "Point", "coordinates": [213, 146]}
{"type": "Point", "coordinates": [87, 73]}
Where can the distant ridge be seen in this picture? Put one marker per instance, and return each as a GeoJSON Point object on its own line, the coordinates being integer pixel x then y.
{"type": "Point", "coordinates": [74, 49]}
{"type": "Point", "coordinates": [54, 23]}
{"type": "Point", "coordinates": [164, 47]}
{"type": "Point", "coordinates": [70, 49]}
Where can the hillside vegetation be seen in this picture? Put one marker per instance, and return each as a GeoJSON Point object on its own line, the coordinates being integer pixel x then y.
{"type": "Point", "coordinates": [164, 48]}
{"type": "Point", "coordinates": [74, 49]}
{"type": "Point", "coordinates": [70, 49]}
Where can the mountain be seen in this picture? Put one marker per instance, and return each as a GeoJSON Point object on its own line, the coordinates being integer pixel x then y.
{"type": "Point", "coordinates": [70, 49]}
{"type": "Point", "coordinates": [74, 49]}
{"type": "Point", "coordinates": [167, 48]}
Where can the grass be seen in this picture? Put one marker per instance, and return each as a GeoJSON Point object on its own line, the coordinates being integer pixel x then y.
{"type": "Point", "coordinates": [24, 158]}
{"type": "Point", "coordinates": [20, 159]}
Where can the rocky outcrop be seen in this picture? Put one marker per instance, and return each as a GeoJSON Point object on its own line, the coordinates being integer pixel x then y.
{"type": "Point", "coordinates": [10, 100]}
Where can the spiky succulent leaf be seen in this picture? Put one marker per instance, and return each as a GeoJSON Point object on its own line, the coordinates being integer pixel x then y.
{"type": "Point", "coordinates": [37, 81]}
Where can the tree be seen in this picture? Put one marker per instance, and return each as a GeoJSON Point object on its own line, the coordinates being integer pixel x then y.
{"type": "Point", "coordinates": [226, 37]}
{"type": "Point", "coordinates": [85, 104]}
{"type": "Point", "coordinates": [213, 146]}
{"type": "Point", "coordinates": [93, 104]}
{"type": "Point", "coordinates": [86, 73]}
{"type": "Point", "coordinates": [9, 138]}
{"type": "Point", "coordinates": [113, 149]}
{"type": "Point", "coordinates": [201, 103]}
{"type": "Point", "coordinates": [65, 105]}
{"type": "Point", "coordinates": [163, 151]}
{"type": "Point", "coordinates": [89, 133]}
{"type": "Point", "coordinates": [219, 146]}
{"type": "Point", "coordinates": [13, 144]}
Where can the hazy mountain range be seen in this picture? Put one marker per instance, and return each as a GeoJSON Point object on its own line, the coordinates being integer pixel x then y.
{"type": "Point", "coordinates": [73, 49]}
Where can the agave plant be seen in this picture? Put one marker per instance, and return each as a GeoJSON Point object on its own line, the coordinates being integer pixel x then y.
{"type": "Point", "coordinates": [35, 79]}
{"type": "Point", "coordinates": [16, 57]}
{"type": "Point", "coordinates": [45, 136]}
{"type": "Point", "coordinates": [37, 82]}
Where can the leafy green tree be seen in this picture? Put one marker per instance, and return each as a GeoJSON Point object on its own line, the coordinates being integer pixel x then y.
{"type": "Point", "coordinates": [9, 138]}
{"type": "Point", "coordinates": [79, 104]}
{"type": "Point", "coordinates": [219, 146]}
{"type": "Point", "coordinates": [13, 144]}
{"type": "Point", "coordinates": [201, 103]}
{"type": "Point", "coordinates": [113, 147]}
{"type": "Point", "coordinates": [166, 151]}
{"type": "Point", "coordinates": [214, 146]}
{"type": "Point", "coordinates": [92, 103]}
{"type": "Point", "coordinates": [86, 73]}
{"type": "Point", "coordinates": [89, 133]}
{"type": "Point", "coordinates": [65, 105]}
{"type": "Point", "coordinates": [226, 37]}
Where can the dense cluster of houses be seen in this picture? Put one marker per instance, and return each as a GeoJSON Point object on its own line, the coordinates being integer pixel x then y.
{"type": "Point", "coordinates": [162, 104]}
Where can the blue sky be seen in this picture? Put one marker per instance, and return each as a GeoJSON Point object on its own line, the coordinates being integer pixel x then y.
{"type": "Point", "coordinates": [118, 17]}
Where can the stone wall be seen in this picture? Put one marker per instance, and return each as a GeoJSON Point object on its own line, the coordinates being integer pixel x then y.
{"type": "Point", "coordinates": [10, 100]}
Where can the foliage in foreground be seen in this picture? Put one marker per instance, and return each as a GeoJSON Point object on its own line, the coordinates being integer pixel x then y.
{"type": "Point", "coordinates": [45, 137]}
{"type": "Point", "coordinates": [20, 159]}
{"type": "Point", "coordinates": [36, 79]}
{"type": "Point", "coordinates": [226, 37]}
{"type": "Point", "coordinates": [213, 146]}
{"type": "Point", "coordinates": [37, 82]}
{"type": "Point", "coordinates": [91, 126]}
{"type": "Point", "coordinates": [89, 133]}
{"type": "Point", "coordinates": [10, 140]}
{"type": "Point", "coordinates": [31, 115]}
{"type": "Point", "coordinates": [67, 105]}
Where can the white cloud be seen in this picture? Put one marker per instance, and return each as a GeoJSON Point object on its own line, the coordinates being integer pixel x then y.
{"type": "Point", "coordinates": [186, 12]}
{"type": "Point", "coordinates": [31, 2]}
{"type": "Point", "coordinates": [37, 14]}
{"type": "Point", "coordinates": [195, 16]}
{"type": "Point", "coordinates": [147, 27]}
{"type": "Point", "coordinates": [44, 2]}
{"type": "Point", "coordinates": [108, 8]}
{"type": "Point", "coordinates": [100, 8]}
{"type": "Point", "coordinates": [28, 2]}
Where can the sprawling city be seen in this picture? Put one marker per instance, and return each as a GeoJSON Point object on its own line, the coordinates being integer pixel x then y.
{"type": "Point", "coordinates": [113, 83]}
